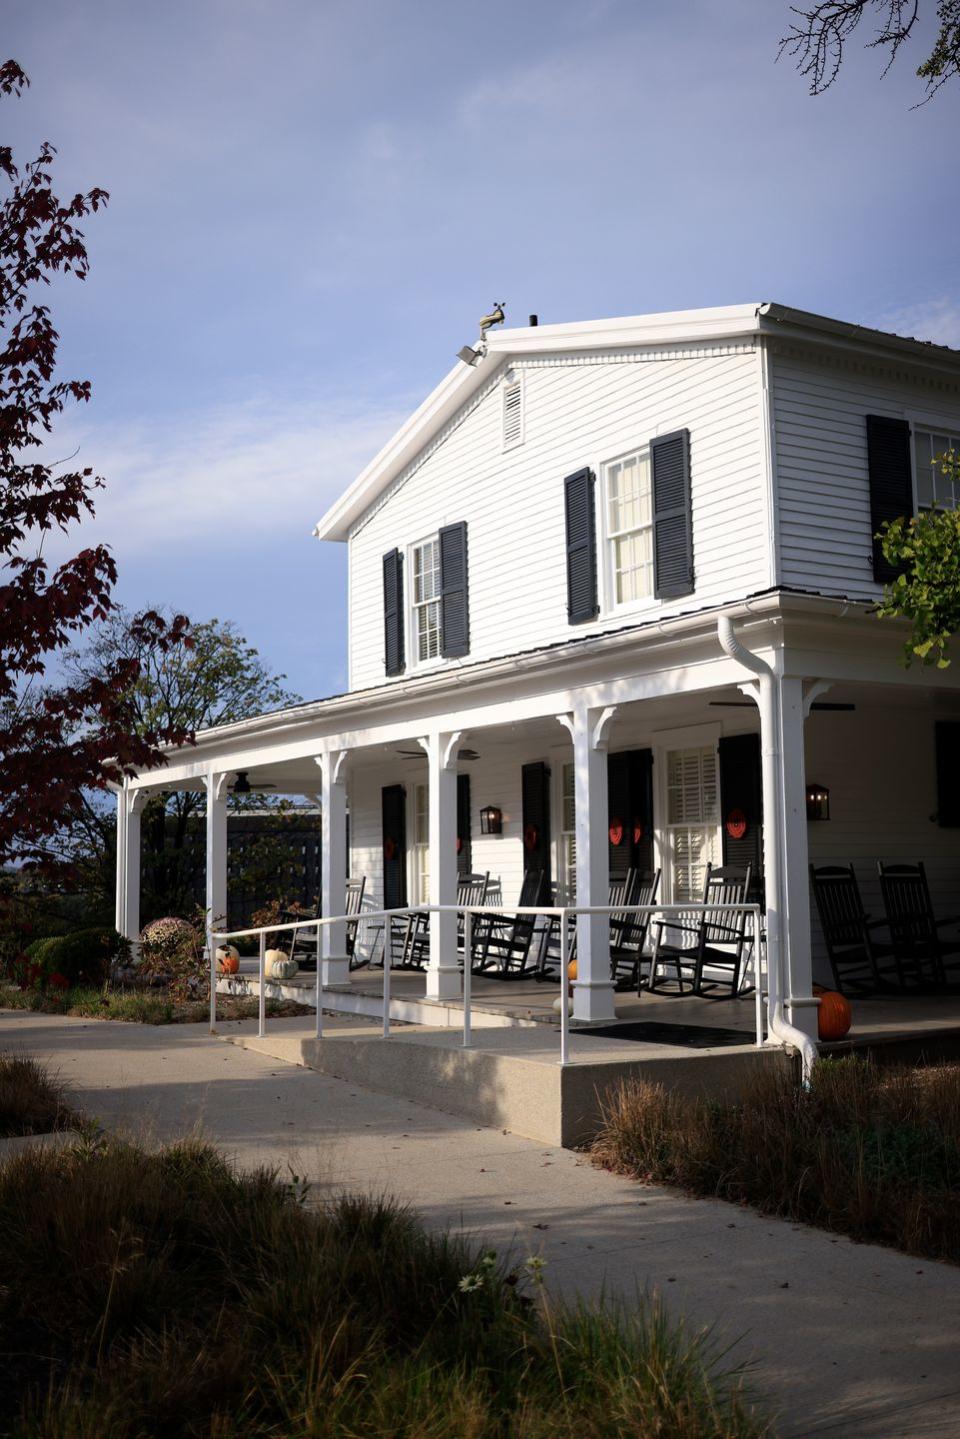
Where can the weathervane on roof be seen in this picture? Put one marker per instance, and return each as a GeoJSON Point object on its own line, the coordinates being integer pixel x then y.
{"type": "Point", "coordinates": [495, 317]}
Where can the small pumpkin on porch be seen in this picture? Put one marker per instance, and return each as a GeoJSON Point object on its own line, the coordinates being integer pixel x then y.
{"type": "Point", "coordinates": [272, 957]}
{"type": "Point", "coordinates": [834, 1015]}
{"type": "Point", "coordinates": [284, 968]}
{"type": "Point", "coordinates": [228, 959]}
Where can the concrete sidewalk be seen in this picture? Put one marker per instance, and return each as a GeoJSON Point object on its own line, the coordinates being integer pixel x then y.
{"type": "Point", "coordinates": [847, 1339]}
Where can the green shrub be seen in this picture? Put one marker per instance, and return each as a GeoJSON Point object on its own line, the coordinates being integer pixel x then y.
{"type": "Point", "coordinates": [84, 957]}
{"type": "Point", "coordinates": [164, 1293]}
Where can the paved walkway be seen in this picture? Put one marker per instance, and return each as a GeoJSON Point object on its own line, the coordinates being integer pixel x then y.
{"type": "Point", "coordinates": [848, 1339]}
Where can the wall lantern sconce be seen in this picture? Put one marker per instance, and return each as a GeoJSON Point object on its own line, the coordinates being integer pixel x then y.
{"type": "Point", "coordinates": [491, 820]}
{"type": "Point", "coordinates": [818, 801]}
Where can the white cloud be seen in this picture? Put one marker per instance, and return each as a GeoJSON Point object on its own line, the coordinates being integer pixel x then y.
{"type": "Point", "coordinates": [244, 473]}
{"type": "Point", "coordinates": [937, 320]}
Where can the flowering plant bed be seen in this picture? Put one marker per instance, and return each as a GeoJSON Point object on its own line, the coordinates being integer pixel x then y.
{"type": "Point", "coordinates": [141, 1005]}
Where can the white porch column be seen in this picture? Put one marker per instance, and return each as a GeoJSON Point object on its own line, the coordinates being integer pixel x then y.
{"type": "Point", "coordinates": [593, 995]}
{"type": "Point", "coordinates": [216, 900]}
{"type": "Point", "coordinates": [795, 931]}
{"type": "Point", "coordinates": [333, 863]}
{"type": "Point", "coordinates": [129, 804]}
{"type": "Point", "coordinates": [443, 971]}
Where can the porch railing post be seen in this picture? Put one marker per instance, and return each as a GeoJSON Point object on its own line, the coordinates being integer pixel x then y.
{"type": "Point", "coordinates": [564, 990]}
{"type": "Point", "coordinates": [387, 955]}
{"type": "Point", "coordinates": [467, 969]}
{"type": "Point", "coordinates": [319, 1030]}
{"type": "Point", "coordinates": [212, 954]}
{"type": "Point", "coordinates": [262, 1010]}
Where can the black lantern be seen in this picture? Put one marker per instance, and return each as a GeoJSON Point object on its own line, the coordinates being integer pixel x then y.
{"type": "Point", "coordinates": [818, 801]}
{"type": "Point", "coordinates": [491, 820]}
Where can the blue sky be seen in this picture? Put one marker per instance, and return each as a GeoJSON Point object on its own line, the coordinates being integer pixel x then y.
{"type": "Point", "coordinates": [312, 202]}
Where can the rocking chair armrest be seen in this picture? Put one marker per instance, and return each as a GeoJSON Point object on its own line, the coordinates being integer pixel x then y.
{"type": "Point", "coordinates": [869, 923]}
{"type": "Point", "coordinates": [662, 924]}
{"type": "Point", "coordinates": [948, 919]}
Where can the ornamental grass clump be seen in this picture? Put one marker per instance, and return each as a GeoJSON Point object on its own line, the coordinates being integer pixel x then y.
{"type": "Point", "coordinates": [868, 1151]}
{"type": "Point", "coordinates": [166, 1293]}
{"type": "Point", "coordinates": [31, 1102]}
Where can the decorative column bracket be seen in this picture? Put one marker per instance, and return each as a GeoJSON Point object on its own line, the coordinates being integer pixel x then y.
{"type": "Point", "coordinates": [812, 690]}
{"type": "Point", "coordinates": [448, 756]}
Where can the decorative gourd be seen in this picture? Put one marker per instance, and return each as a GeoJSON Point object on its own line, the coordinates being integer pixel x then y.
{"type": "Point", "coordinates": [284, 967]}
{"type": "Point", "coordinates": [834, 1015]}
{"type": "Point", "coordinates": [228, 959]}
{"type": "Point", "coordinates": [572, 969]}
{"type": "Point", "coordinates": [272, 957]}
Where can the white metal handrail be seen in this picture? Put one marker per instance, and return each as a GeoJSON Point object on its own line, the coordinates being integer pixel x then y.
{"type": "Point", "coordinates": [564, 913]}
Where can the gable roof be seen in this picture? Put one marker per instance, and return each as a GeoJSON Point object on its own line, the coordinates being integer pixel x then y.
{"type": "Point", "coordinates": [671, 327]}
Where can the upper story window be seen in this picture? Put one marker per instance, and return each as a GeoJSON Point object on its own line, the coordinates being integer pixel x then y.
{"type": "Point", "coordinates": [933, 486]}
{"type": "Point", "coordinates": [629, 512]}
{"type": "Point", "coordinates": [512, 392]}
{"type": "Point", "coordinates": [426, 599]}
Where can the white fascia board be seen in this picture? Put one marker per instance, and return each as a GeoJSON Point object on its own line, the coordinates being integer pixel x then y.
{"type": "Point", "coordinates": [634, 331]}
{"type": "Point", "coordinates": [782, 320]}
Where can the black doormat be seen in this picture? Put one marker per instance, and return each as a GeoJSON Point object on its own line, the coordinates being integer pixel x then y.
{"type": "Point", "coordinates": [688, 1036]}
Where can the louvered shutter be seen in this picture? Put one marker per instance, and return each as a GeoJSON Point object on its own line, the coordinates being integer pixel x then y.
{"type": "Point", "coordinates": [464, 857]}
{"type": "Point", "coordinates": [393, 802]}
{"type": "Point", "coordinates": [948, 773]}
{"type": "Point", "coordinates": [672, 521]}
{"type": "Point", "coordinates": [393, 648]}
{"type": "Point", "coordinates": [741, 789]}
{"type": "Point", "coordinates": [535, 788]}
{"type": "Point", "coordinates": [891, 482]}
{"type": "Point", "coordinates": [581, 547]}
{"type": "Point", "coordinates": [454, 609]}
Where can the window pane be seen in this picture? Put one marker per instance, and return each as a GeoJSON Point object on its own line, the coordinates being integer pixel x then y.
{"type": "Point", "coordinates": [922, 455]}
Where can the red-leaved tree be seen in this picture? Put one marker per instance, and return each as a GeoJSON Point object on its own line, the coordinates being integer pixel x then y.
{"type": "Point", "coordinates": [56, 739]}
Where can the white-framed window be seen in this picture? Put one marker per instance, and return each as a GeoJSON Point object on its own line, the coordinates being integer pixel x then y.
{"type": "Point", "coordinates": [421, 844]}
{"type": "Point", "coordinates": [425, 599]}
{"type": "Point", "coordinates": [628, 528]}
{"type": "Point", "coordinates": [512, 414]}
{"type": "Point", "coordinates": [568, 830]}
{"type": "Point", "coordinates": [931, 485]}
{"type": "Point", "coordinates": [692, 831]}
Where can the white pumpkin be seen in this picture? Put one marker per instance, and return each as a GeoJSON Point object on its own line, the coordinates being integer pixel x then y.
{"type": "Point", "coordinates": [228, 959]}
{"type": "Point", "coordinates": [284, 968]}
{"type": "Point", "coordinates": [272, 957]}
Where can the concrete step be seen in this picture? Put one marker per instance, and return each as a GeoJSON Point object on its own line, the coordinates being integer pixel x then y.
{"type": "Point", "coordinates": [508, 1078]}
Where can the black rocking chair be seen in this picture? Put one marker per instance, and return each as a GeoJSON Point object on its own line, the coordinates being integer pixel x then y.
{"type": "Point", "coordinates": [502, 943]}
{"type": "Point", "coordinates": [303, 943]}
{"type": "Point", "coordinates": [849, 932]}
{"type": "Point", "coordinates": [471, 890]}
{"type": "Point", "coordinates": [716, 941]}
{"type": "Point", "coordinates": [918, 947]}
{"type": "Point", "coordinates": [628, 936]}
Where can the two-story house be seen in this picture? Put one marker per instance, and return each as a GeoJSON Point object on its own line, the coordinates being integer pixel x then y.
{"type": "Point", "coordinates": [614, 583]}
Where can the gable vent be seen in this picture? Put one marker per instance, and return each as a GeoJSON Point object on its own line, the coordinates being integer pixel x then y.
{"type": "Point", "coordinates": [512, 413]}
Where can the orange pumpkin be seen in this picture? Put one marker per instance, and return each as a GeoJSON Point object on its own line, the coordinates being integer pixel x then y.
{"type": "Point", "coordinates": [834, 1015]}
{"type": "Point", "coordinates": [228, 960]}
{"type": "Point", "coordinates": [572, 969]}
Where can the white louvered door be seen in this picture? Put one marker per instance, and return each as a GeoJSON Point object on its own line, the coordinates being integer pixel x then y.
{"type": "Point", "coordinates": [693, 816]}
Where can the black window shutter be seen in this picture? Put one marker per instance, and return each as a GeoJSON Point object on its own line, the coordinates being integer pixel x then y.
{"type": "Point", "coordinates": [535, 788]}
{"type": "Point", "coordinates": [672, 520]}
{"type": "Point", "coordinates": [741, 804]}
{"type": "Point", "coordinates": [454, 609]}
{"type": "Point", "coordinates": [581, 547]}
{"type": "Point", "coordinates": [393, 649]}
{"type": "Point", "coordinates": [393, 801]}
{"type": "Point", "coordinates": [891, 482]}
{"type": "Point", "coordinates": [464, 859]}
{"type": "Point", "coordinates": [630, 811]}
{"type": "Point", "coordinates": [948, 773]}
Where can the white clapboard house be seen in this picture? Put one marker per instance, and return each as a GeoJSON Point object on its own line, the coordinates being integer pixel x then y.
{"type": "Point", "coordinates": [614, 581]}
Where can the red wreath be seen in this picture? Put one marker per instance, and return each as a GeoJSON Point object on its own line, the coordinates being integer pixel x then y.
{"type": "Point", "coordinates": [389, 848]}
{"type": "Point", "coordinates": [459, 843]}
{"type": "Point", "coordinates": [736, 824]}
{"type": "Point", "coordinates": [531, 837]}
{"type": "Point", "coordinates": [637, 831]}
{"type": "Point", "coordinates": [616, 830]}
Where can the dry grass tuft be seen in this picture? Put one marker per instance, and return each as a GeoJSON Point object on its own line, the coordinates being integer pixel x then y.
{"type": "Point", "coordinates": [870, 1152]}
{"type": "Point", "coordinates": [30, 1101]}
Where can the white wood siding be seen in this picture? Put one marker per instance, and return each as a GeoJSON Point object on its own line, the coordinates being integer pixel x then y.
{"type": "Point", "coordinates": [576, 412]}
{"type": "Point", "coordinates": [819, 415]}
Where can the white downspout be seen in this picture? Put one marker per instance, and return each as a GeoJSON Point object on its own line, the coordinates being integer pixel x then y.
{"type": "Point", "coordinates": [768, 701]}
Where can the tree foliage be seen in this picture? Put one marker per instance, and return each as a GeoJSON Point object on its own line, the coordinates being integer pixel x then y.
{"type": "Point", "coordinates": [55, 741]}
{"type": "Point", "coordinates": [187, 685]}
{"type": "Point", "coordinates": [818, 37]}
{"type": "Point", "coordinates": [927, 591]}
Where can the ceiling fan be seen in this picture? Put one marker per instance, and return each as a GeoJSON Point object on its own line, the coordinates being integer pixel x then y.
{"type": "Point", "coordinates": [462, 754]}
{"type": "Point", "coordinates": [242, 785]}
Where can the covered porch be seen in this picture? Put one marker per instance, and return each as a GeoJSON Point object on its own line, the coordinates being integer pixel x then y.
{"type": "Point", "coordinates": [690, 747]}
